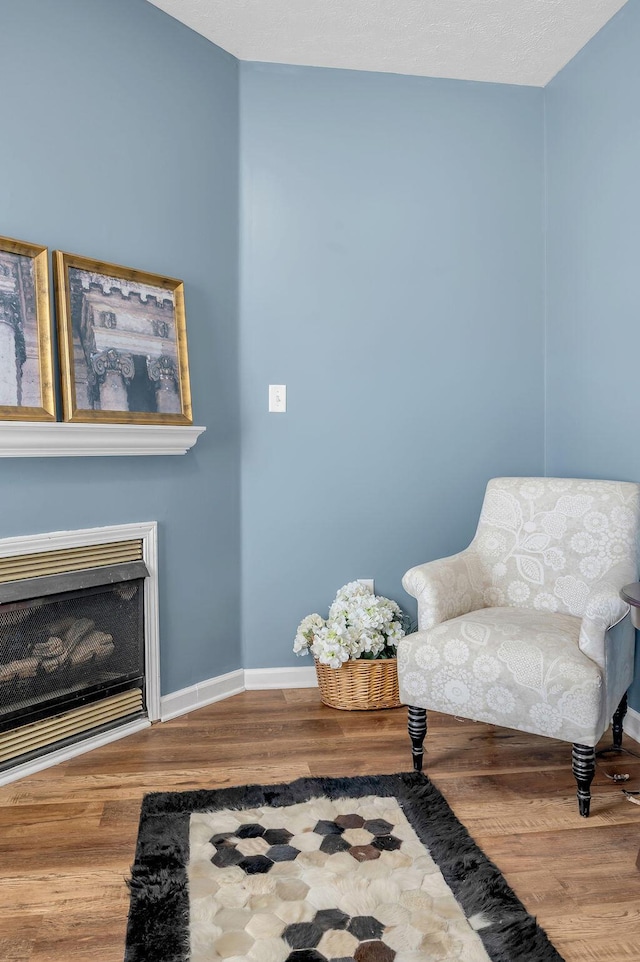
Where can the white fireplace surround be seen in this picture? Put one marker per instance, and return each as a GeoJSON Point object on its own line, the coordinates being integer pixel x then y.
{"type": "Point", "coordinates": [147, 533]}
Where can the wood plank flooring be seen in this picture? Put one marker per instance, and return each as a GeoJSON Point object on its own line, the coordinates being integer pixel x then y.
{"type": "Point", "coordinates": [67, 835]}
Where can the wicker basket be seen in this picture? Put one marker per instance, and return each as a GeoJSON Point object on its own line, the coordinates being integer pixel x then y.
{"type": "Point", "coordinates": [360, 685]}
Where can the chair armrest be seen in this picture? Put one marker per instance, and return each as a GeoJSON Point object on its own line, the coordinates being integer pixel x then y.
{"type": "Point", "coordinates": [604, 608]}
{"type": "Point", "coordinates": [446, 588]}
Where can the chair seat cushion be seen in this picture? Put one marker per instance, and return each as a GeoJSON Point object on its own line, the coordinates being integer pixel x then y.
{"type": "Point", "coordinates": [516, 667]}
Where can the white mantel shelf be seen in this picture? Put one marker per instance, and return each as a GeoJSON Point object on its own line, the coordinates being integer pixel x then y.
{"type": "Point", "coordinates": [56, 439]}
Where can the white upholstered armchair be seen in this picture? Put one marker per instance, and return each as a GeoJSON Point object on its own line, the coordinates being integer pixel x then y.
{"type": "Point", "coordinates": [525, 628]}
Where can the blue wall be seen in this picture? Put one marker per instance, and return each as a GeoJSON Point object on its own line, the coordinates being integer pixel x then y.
{"type": "Point", "coordinates": [392, 277]}
{"type": "Point", "coordinates": [593, 259]}
{"type": "Point", "coordinates": [120, 142]}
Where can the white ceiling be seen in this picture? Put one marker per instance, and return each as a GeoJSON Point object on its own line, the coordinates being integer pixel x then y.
{"type": "Point", "coordinates": [504, 41]}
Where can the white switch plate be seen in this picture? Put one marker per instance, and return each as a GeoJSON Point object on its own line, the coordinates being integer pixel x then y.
{"type": "Point", "coordinates": [368, 583]}
{"type": "Point", "coordinates": [277, 398]}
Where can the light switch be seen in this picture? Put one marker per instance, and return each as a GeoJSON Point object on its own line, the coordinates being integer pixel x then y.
{"type": "Point", "coordinates": [277, 398]}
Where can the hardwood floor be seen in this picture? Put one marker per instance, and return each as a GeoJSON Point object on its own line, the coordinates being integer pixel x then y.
{"type": "Point", "coordinates": [67, 835]}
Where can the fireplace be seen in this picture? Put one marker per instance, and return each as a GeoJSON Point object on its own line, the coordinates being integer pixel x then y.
{"type": "Point", "coordinates": [78, 656]}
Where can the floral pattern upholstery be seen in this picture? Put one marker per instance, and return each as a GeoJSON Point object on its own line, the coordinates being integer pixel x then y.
{"type": "Point", "coordinates": [515, 630]}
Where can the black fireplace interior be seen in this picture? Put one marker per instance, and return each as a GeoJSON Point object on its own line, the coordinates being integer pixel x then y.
{"type": "Point", "coordinates": [68, 640]}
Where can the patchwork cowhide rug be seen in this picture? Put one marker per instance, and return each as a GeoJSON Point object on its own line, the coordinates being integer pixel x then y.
{"type": "Point", "coordinates": [371, 869]}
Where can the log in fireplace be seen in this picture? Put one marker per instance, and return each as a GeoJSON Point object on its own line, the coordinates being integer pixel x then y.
{"type": "Point", "coordinates": [72, 652]}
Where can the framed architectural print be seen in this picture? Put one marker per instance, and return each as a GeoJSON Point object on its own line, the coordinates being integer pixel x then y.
{"type": "Point", "coordinates": [26, 361]}
{"type": "Point", "coordinates": [123, 344]}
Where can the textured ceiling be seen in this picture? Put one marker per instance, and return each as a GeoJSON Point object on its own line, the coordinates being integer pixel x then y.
{"type": "Point", "coordinates": [504, 41]}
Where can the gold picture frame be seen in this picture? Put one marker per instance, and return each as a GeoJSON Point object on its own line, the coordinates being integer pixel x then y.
{"type": "Point", "coordinates": [123, 344]}
{"type": "Point", "coordinates": [26, 354]}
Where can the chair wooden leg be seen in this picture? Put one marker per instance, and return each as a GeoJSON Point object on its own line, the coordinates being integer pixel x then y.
{"type": "Point", "coordinates": [417, 731]}
{"type": "Point", "coordinates": [618, 718]}
{"type": "Point", "coordinates": [584, 768]}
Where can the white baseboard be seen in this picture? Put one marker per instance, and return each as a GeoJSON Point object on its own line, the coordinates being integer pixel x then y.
{"type": "Point", "coordinates": [71, 751]}
{"type": "Point", "coordinates": [204, 693]}
{"type": "Point", "coordinates": [259, 679]}
{"type": "Point", "coordinates": [223, 686]}
{"type": "Point", "coordinates": [632, 724]}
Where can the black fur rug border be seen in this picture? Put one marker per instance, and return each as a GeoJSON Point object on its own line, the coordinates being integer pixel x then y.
{"type": "Point", "coordinates": [158, 926]}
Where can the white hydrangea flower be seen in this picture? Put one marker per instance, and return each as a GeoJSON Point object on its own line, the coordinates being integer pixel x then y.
{"type": "Point", "coordinates": [360, 624]}
{"type": "Point", "coordinates": [305, 633]}
{"type": "Point", "coordinates": [329, 651]}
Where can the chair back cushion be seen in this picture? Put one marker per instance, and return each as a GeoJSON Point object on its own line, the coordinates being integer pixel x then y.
{"type": "Point", "coordinates": [545, 542]}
